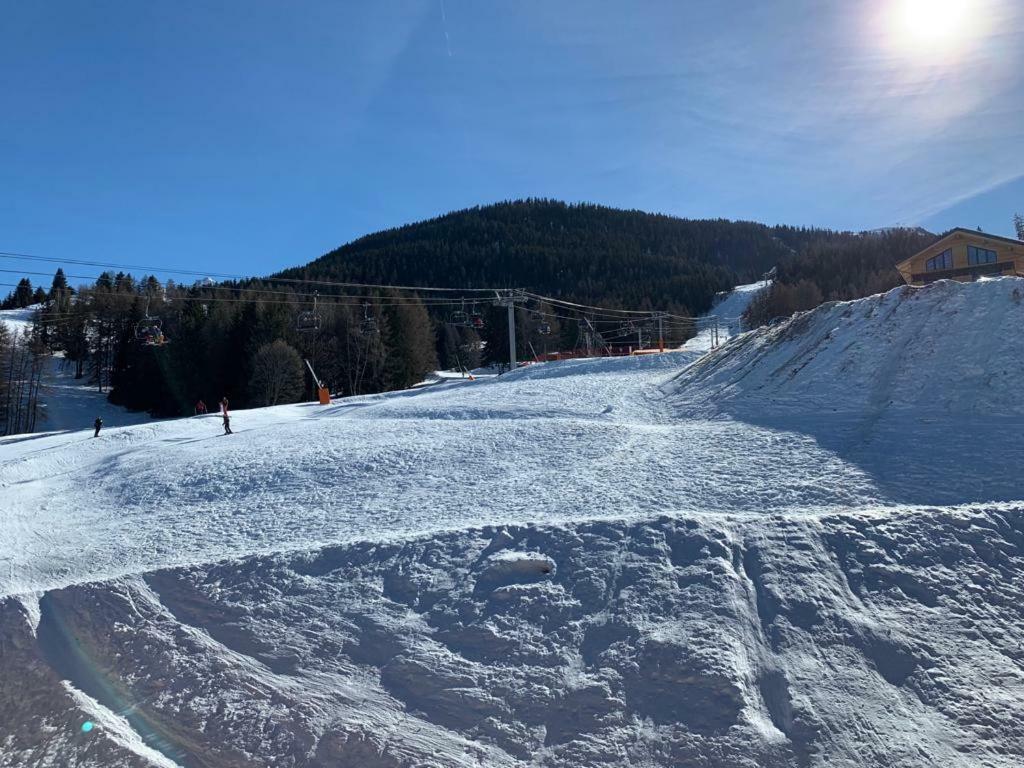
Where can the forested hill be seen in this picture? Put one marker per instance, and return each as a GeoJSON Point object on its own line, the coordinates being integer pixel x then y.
{"type": "Point", "coordinates": [581, 252]}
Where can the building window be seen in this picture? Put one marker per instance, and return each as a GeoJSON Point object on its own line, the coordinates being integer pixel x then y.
{"type": "Point", "coordinates": [977, 255]}
{"type": "Point", "coordinates": [943, 261]}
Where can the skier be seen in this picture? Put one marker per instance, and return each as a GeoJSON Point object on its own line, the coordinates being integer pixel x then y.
{"type": "Point", "coordinates": [97, 424]}
{"type": "Point", "coordinates": [200, 408]}
{"type": "Point", "coordinates": [224, 405]}
{"type": "Point", "coordinates": [227, 424]}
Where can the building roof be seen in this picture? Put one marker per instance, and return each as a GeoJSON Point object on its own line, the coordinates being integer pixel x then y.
{"type": "Point", "coordinates": [961, 231]}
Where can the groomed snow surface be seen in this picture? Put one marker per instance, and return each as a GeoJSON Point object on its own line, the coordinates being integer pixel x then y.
{"type": "Point", "coordinates": [803, 549]}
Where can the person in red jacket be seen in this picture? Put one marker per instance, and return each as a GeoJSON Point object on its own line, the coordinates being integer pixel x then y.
{"type": "Point", "coordinates": [200, 408]}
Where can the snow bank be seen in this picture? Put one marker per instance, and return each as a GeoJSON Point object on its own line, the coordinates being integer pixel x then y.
{"type": "Point", "coordinates": [945, 348]}
{"type": "Point", "coordinates": [919, 387]}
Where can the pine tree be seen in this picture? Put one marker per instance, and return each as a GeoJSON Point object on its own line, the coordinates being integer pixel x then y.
{"type": "Point", "coordinates": [411, 353]}
{"type": "Point", "coordinates": [23, 293]}
{"type": "Point", "coordinates": [59, 286]}
{"type": "Point", "coordinates": [1018, 223]}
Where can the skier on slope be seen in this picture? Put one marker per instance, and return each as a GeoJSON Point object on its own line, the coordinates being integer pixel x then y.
{"type": "Point", "coordinates": [200, 408]}
{"type": "Point", "coordinates": [227, 424]}
{"type": "Point", "coordinates": [224, 405]}
{"type": "Point", "coordinates": [97, 424]}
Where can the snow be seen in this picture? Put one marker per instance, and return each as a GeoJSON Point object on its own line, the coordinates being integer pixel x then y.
{"type": "Point", "coordinates": [728, 311]}
{"type": "Point", "coordinates": [728, 559]}
{"type": "Point", "coordinates": [67, 403]}
{"type": "Point", "coordinates": [19, 320]}
{"type": "Point", "coordinates": [920, 387]}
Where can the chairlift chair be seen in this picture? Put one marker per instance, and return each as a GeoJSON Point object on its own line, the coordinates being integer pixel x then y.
{"type": "Point", "coordinates": [309, 320]}
{"type": "Point", "coordinates": [476, 320]}
{"type": "Point", "coordinates": [459, 316]}
{"type": "Point", "coordinates": [149, 331]}
{"type": "Point", "coordinates": [369, 324]}
{"type": "Point", "coordinates": [544, 329]}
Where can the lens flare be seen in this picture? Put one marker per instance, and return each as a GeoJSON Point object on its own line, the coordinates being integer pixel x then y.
{"type": "Point", "coordinates": [87, 726]}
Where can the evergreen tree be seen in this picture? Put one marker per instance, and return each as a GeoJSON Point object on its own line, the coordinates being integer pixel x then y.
{"type": "Point", "coordinates": [411, 353]}
{"type": "Point", "coordinates": [23, 293]}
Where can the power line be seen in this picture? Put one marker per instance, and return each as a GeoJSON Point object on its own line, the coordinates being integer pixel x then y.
{"type": "Point", "coordinates": [226, 276]}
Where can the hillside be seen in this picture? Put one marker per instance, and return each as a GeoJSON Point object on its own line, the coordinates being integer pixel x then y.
{"type": "Point", "coordinates": [585, 253]}
{"type": "Point", "coordinates": [627, 561]}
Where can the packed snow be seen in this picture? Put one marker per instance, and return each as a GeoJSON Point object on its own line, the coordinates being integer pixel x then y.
{"type": "Point", "coordinates": [722, 559]}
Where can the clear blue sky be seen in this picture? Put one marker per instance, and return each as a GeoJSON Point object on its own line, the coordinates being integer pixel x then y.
{"type": "Point", "coordinates": [250, 136]}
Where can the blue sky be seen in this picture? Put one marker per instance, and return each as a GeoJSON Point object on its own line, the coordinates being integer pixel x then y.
{"type": "Point", "coordinates": [245, 137]}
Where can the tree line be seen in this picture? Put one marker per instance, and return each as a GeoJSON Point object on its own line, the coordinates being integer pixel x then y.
{"type": "Point", "coordinates": [836, 266]}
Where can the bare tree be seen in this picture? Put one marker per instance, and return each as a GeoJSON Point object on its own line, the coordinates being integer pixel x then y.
{"type": "Point", "coordinates": [277, 374]}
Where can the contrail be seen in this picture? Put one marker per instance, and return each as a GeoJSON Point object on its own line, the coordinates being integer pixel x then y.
{"type": "Point", "coordinates": [444, 26]}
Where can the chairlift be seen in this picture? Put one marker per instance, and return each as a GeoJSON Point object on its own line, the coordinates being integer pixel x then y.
{"type": "Point", "coordinates": [476, 320]}
{"type": "Point", "coordinates": [544, 329]}
{"type": "Point", "coordinates": [149, 330]}
{"type": "Point", "coordinates": [309, 320]}
{"type": "Point", "coordinates": [459, 316]}
{"type": "Point", "coordinates": [369, 324]}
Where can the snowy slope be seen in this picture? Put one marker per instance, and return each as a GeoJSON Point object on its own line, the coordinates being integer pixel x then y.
{"type": "Point", "coordinates": [571, 440]}
{"type": "Point", "coordinates": [947, 348]}
{"type": "Point", "coordinates": [598, 562]}
{"type": "Point", "coordinates": [919, 387]}
{"type": "Point", "coordinates": [67, 403]}
{"type": "Point", "coordinates": [729, 315]}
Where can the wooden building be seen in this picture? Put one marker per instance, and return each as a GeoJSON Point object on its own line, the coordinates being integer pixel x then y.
{"type": "Point", "coordinates": [964, 255]}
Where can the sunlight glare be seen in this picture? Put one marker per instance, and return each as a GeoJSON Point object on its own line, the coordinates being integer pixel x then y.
{"type": "Point", "coordinates": [928, 23]}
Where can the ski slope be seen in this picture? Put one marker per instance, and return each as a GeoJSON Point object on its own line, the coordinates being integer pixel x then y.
{"type": "Point", "coordinates": [728, 312]}
{"type": "Point", "coordinates": [67, 403]}
{"type": "Point", "coordinates": [730, 559]}
{"type": "Point", "coordinates": [556, 442]}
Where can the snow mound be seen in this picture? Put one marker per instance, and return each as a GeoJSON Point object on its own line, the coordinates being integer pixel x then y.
{"type": "Point", "coordinates": [847, 640]}
{"type": "Point", "coordinates": [945, 348]}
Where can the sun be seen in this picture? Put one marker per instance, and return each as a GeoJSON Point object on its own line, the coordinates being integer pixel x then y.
{"type": "Point", "coordinates": [925, 23]}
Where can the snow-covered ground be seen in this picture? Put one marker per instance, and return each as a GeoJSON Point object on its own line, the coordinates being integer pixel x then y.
{"type": "Point", "coordinates": [67, 403]}
{"type": "Point", "coordinates": [727, 313]}
{"type": "Point", "coordinates": [592, 562]}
